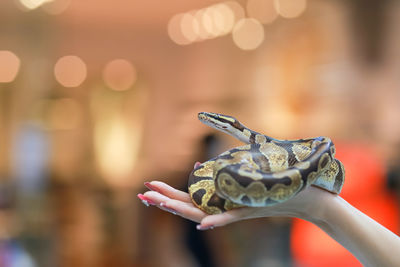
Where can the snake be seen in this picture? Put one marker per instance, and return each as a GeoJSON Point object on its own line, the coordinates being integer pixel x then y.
{"type": "Point", "coordinates": [263, 172]}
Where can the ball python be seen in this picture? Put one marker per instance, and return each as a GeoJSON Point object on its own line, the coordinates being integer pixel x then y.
{"type": "Point", "coordinates": [264, 172]}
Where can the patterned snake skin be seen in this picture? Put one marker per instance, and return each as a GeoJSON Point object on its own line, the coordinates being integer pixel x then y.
{"type": "Point", "coordinates": [264, 172]}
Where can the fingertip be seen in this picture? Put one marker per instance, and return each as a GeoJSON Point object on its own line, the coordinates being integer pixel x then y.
{"type": "Point", "coordinates": [145, 200]}
{"type": "Point", "coordinates": [210, 221]}
{"type": "Point", "coordinates": [150, 186]}
{"type": "Point", "coordinates": [197, 164]}
{"type": "Point", "coordinates": [203, 228]}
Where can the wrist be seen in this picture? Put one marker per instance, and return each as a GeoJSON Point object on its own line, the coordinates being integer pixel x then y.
{"type": "Point", "coordinates": [319, 206]}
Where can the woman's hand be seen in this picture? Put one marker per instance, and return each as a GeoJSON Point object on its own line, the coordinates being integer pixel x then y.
{"type": "Point", "coordinates": [370, 242]}
{"type": "Point", "coordinates": [306, 205]}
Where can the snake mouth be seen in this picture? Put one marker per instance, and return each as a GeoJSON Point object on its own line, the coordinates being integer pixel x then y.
{"type": "Point", "coordinates": [202, 116]}
{"type": "Point", "coordinates": [213, 120]}
{"type": "Point", "coordinates": [207, 116]}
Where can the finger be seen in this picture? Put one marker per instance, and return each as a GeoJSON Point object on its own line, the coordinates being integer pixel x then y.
{"type": "Point", "coordinates": [153, 197]}
{"type": "Point", "coordinates": [222, 219]}
{"type": "Point", "coordinates": [168, 191]}
{"type": "Point", "coordinates": [197, 164]}
{"type": "Point", "coordinates": [185, 210]}
{"type": "Point", "coordinates": [176, 207]}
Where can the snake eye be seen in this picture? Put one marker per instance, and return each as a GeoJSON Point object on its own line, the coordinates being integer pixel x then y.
{"type": "Point", "coordinates": [225, 127]}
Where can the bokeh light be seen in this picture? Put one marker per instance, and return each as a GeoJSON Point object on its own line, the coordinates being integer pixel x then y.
{"type": "Point", "coordinates": [119, 74]}
{"type": "Point", "coordinates": [116, 149]}
{"type": "Point", "coordinates": [189, 27]}
{"type": "Point", "coordinates": [9, 66]}
{"type": "Point", "coordinates": [174, 30]}
{"type": "Point", "coordinates": [206, 23]}
{"type": "Point", "coordinates": [218, 19]}
{"type": "Point", "coordinates": [290, 8]}
{"type": "Point", "coordinates": [236, 8]}
{"type": "Point", "coordinates": [224, 18]}
{"type": "Point", "coordinates": [70, 71]}
{"type": "Point", "coordinates": [56, 7]}
{"type": "Point", "coordinates": [248, 34]}
{"type": "Point", "coordinates": [262, 10]}
{"type": "Point", "coordinates": [33, 4]}
{"type": "Point", "coordinates": [202, 19]}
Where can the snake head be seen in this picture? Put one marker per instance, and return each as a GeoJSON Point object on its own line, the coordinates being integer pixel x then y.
{"type": "Point", "coordinates": [221, 122]}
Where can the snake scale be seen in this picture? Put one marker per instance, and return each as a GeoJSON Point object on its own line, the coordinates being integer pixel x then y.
{"type": "Point", "coordinates": [262, 173]}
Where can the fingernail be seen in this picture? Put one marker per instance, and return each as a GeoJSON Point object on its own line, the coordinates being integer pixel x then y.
{"type": "Point", "coordinates": [150, 186]}
{"type": "Point", "coordinates": [145, 200]}
{"type": "Point", "coordinates": [197, 164]}
{"type": "Point", "coordinates": [162, 205]}
{"type": "Point", "coordinates": [203, 228]}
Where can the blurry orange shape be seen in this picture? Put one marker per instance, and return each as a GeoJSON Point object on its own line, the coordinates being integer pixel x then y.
{"type": "Point", "coordinates": [208, 22]}
{"type": "Point", "coordinates": [290, 8]}
{"type": "Point", "coordinates": [248, 34]}
{"type": "Point", "coordinates": [201, 31]}
{"type": "Point", "coordinates": [236, 9]}
{"type": "Point", "coordinates": [365, 188]}
{"type": "Point", "coordinates": [189, 27]}
{"type": "Point", "coordinates": [65, 114]}
{"type": "Point", "coordinates": [9, 66]}
{"type": "Point", "coordinates": [116, 149]}
{"type": "Point", "coordinates": [175, 32]}
{"type": "Point", "coordinates": [262, 10]}
{"type": "Point", "coordinates": [223, 18]}
{"type": "Point", "coordinates": [70, 71]}
{"type": "Point", "coordinates": [33, 4]}
{"type": "Point", "coordinates": [56, 7]}
{"type": "Point", "coordinates": [119, 74]}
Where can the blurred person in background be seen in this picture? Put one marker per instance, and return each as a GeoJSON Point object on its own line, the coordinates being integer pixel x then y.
{"type": "Point", "coordinates": [12, 253]}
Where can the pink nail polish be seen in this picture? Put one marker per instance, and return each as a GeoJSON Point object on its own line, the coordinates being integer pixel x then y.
{"type": "Point", "coordinates": [145, 200]}
{"type": "Point", "coordinates": [150, 186]}
{"type": "Point", "coordinates": [203, 228]}
{"type": "Point", "coordinates": [197, 164]}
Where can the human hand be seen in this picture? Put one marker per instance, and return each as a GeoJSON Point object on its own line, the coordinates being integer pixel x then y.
{"type": "Point", "coordinates": [306, 205]}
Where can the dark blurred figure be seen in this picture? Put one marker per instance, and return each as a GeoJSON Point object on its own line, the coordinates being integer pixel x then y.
{"type": "Point", "coordinates": [196, 240]}
{"type": "Point", "coordinates": [265, 242]}
{"type": "Point", "coordinates": [12, 253]}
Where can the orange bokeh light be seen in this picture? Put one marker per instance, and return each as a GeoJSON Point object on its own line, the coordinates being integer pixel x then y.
{"type": "Point", "coordinates": [56, 7]}
{"type": "Point", "coordinates": [70, 71]}
{"type": "Point", "coordinates": [248, 34]}
{"type": "Point", "coordinates": [175, 32]}
{"type": "Point", "coordinates": [290, 8]}
{"type": "Point", "coordinates": [119, 74]}
{"type": "Point", "coordinates": [9, 66]}
{"type": "Point", "coordinates": [262, 10]}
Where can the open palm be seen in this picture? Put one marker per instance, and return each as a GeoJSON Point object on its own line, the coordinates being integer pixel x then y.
{"type": "Point", "coordinates": [179, 203]}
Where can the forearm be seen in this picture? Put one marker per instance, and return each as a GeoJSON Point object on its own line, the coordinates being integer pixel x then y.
{"type": "Point", "coordinates": [370, 242]}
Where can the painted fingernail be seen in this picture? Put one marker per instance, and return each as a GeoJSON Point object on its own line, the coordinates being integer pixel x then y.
{"type": "Point", "coordinates": [150, 186]}
{"type": "Point", "coordinates": [145, 200]}
{"type": "Point", "coordinates": [162, 205]}
{"type": "Point", "coordinates": [197, 164]}
{"type": "Point", "coordinates": [203, 228]}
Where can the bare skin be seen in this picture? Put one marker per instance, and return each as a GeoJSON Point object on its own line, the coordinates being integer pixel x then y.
{"type": "Point", "coordinates": [370, 242]}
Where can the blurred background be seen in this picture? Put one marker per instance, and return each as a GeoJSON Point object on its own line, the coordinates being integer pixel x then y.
{"type": "Point", "coordinates": [97, 97]}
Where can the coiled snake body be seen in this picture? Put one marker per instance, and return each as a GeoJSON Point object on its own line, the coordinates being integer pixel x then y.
{"type": "Point", "coordinates": [264, 172]}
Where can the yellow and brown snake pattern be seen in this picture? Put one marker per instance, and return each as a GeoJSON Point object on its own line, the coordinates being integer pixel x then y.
{"type": "Point", "coordinates": [264, 172]}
